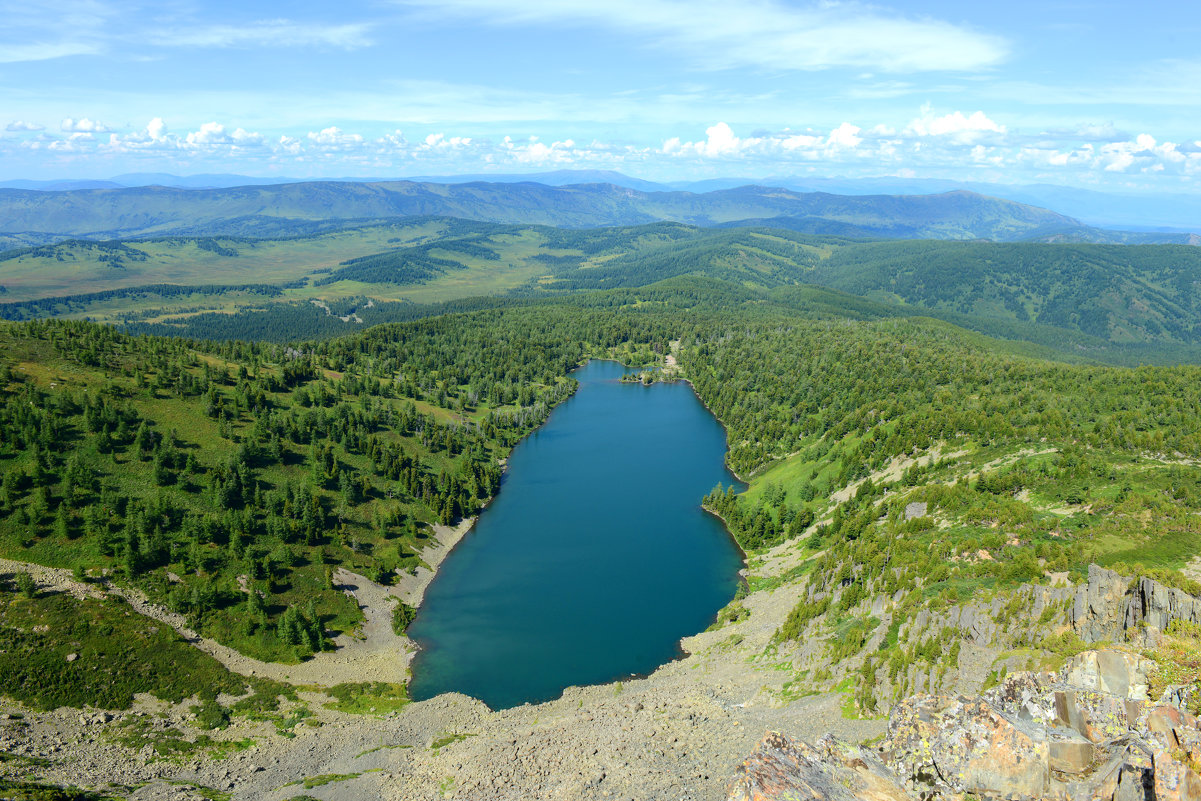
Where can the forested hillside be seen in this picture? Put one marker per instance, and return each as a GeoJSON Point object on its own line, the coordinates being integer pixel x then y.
{"type": "Point", "coordinates": [899, 470]}
{"type": "Point", "coordinates": [1123, 294]}
{"type": "Point", "coordinates": [249, 471]}
{"type": "Point", "coordinates": [1109, 303]}
{"type": "Point", "coordinates": [307, 207]}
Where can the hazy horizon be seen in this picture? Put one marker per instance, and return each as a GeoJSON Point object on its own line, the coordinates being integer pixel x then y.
{"type": "Point", "coordinates": [1079, 96]}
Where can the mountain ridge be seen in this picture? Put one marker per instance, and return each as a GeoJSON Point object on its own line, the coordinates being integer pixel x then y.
{"type": "Point", "coordinates": [149, 211]}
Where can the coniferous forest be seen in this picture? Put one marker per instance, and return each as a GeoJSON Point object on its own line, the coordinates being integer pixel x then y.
{"type": "Point", "coordinates": [227, 464]}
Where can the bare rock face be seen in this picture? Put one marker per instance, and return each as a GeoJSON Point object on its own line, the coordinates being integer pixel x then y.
{"type": "Point", "coordinates": [1154, 605]}
{"type": "Point", "coordinates": [1099, 610]}
{"type": "Point", "coordinates": [1089, 732]}
{"type": "Point", "coordinates": [1086, 733]}
{"type": "Point", "coordinates": [1113, 608]}
{"type": "Point", "coordinates": [1175, 781]}
{"type": "Point", "coordinates": [790, 770]}
{"type": "Point", "coordinates": [967, 746]}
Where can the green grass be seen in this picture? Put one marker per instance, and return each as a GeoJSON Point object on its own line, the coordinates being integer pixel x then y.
{"type": "Point", "coordinates": [172, 745]}
{"type": "Point", "coordinates": [19, 790]}
{"type": "Point", "coordinates": [313, 782]}
{"type": "Point", "coordinates": [448, 739]}
{"type": "Point", "coordinates": [368, 698]}
{"type": "Point", "coordinates": [118, 654]}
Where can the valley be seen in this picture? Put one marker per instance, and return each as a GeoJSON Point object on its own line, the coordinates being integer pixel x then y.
{"type": "Point", "coordinates": [231, 465]}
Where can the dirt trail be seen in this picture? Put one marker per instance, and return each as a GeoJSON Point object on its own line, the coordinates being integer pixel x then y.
{"type": "Point", "coordinates": [372, 653]}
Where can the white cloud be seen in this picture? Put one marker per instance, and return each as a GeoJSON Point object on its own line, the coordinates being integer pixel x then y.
{"type": "Point", "coordinates": [966, 128]}
{"type": "Point", "coordinates": [20, 126]}
{"type": "Point", "coordinates": [762, 33]}
{"type": "Point", "coordinates": [289, 145]}
{"type": "Point", "coordinates": [156, 129]}
{"type": "Point", "coordinates": [210, 137]}
{"type": "Point", "coordinates": [75, 143]}
{"type": "Point", "coordinates": [334, 138]}
{"type": "Point", "coordinates": [722, 143]}
{"type": "Point", "coordinates": [845, 135]}
{"type": "Point", "coordinates": [265, 33]}
{"type": "Point", "coordinates": [935, 145]}
{"type": "Point", "coordinates": [210, 133]}
{"type": "Point", "coordinates": [83, 125]}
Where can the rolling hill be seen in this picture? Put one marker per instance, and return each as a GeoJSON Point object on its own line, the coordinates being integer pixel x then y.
{"type": "Point", "coordinates": [302, 208]}
{"type": "Point", "coordinates": [1105, 302]}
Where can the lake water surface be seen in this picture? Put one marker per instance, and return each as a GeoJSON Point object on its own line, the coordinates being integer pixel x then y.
{"type": "Point", "coordinates": [593, 560]}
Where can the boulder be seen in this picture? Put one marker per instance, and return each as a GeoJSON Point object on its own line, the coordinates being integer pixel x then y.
{"type": "Point", "coordinates": [1097, 716]}
{"type": "Point", "coordinates": [1069, 752]}
{"type": "Point", "coordinates": [783, 769]}
{"type": "Point", "coordinates": [968, 746]}
{"type": "Point", "coordinates": [1118, 673]}
{"type": "Point", "coordinates": [1175, 781]}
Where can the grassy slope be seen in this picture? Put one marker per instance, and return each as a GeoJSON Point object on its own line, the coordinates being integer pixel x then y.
{"type": "Point", "coordinates": [1118, 304]}
{"type": "Point", "coordinates": [359, 542]}
{"type": "Point", "coordinates": [1025, 468]}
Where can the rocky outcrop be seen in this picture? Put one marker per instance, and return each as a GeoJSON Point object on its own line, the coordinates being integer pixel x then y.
{"type": "Point", "coordinates": [784, 768]}
{"type": "Point", "coordinates": [1088, 731]}
{"type": "Point", "coordinates": [1112, 608]}
{"type": "Point", "coordinates": [1155, 606]}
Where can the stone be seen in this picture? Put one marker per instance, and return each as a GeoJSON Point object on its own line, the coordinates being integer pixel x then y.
{"type": "Point", "coordinates": [917, 509]}
{"type": "Point", "coordinates": [1175, 781]}
{"type": "Point", "coordinates": [1099, 606]}
{"type": "Point", "coordinates": [968, 746]}
{"type": "Point", "coordinates": [1157, 605]}
{"type": "Point", "coordinates": [1134, 784]}
{"type": "Point", "coordinates": [1069, 752]}
{"type": "Point", "coordinates": [72, 657]}
{"type": "Point", "coordinates": [783, 768]}
{"type": "Point", "coordinates": [1115, 672]}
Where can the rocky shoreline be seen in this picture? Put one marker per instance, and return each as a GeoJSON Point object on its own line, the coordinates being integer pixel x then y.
{"type": "Point", "coordinates": [679, 733]}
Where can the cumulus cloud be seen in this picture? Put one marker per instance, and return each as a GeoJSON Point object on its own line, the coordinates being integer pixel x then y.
{"type": "Point", "coordinates": [1140, 154]}
{"type": "Point", "coordinates": [75, 143]}
{"type": "Point", "coordinates": [20, 126]}
{"type": "Point", "coordinates": [956, 125]}
{"type": "Point", "coordinates": [953, 145]}
{"type": "Point", "coordinates": [721, 142]}
{"type": "Point", "coordinates": [210, 137]}
{"type": "Point", "coordinates": [334, 138]}
{"type": "Point", "coordinates": [83, 125]}
{"type": "Point", "coordinates": [763, 33]}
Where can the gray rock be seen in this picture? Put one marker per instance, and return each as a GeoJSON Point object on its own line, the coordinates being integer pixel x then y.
{"type": "Point", "coordinates": [783, 768]}
{"type": "Point", "coordinates": [1069, 752]}
{"type": "Point", "coordinates": [1098, 611]}
{"type": "Point", "coordinates": [1155, 605]}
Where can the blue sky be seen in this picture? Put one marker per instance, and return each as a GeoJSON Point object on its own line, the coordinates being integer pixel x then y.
{"type": "Point", "coordinates": [1095, 94]}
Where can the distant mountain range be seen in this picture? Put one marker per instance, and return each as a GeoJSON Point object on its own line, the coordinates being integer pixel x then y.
{"type": "Point", "coordinates": [33, 217]}
{"type": "Point", "coordinates": [1169, 213]}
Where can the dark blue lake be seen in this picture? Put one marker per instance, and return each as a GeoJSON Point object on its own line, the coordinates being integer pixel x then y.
{"type": "Point", "coordinates": [593, 560]}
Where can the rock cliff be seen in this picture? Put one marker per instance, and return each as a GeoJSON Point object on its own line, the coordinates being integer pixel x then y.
{"type": "Point", "coordinates": [1090, 730]}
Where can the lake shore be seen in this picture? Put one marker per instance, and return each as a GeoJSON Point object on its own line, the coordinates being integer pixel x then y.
{"type": "Point", "coordinates": [676, 733]}
{"type": "Point", "coordinates": [372, 652]}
